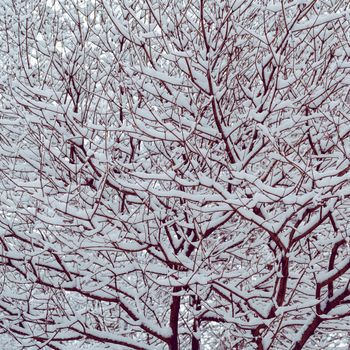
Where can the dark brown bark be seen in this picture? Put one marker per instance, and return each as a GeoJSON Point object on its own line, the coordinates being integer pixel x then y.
{"type": "Point", "coordinates": [174, 320]}
{"type": "Point", "coordinates": [310, 330]}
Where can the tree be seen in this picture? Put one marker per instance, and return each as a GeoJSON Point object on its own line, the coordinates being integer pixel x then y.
{"type": "Point", "coordinates": [175, 174]}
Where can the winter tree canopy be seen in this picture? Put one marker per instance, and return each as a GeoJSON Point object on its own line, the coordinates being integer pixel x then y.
{"type": "Point", "coordinates": [174, 174]}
